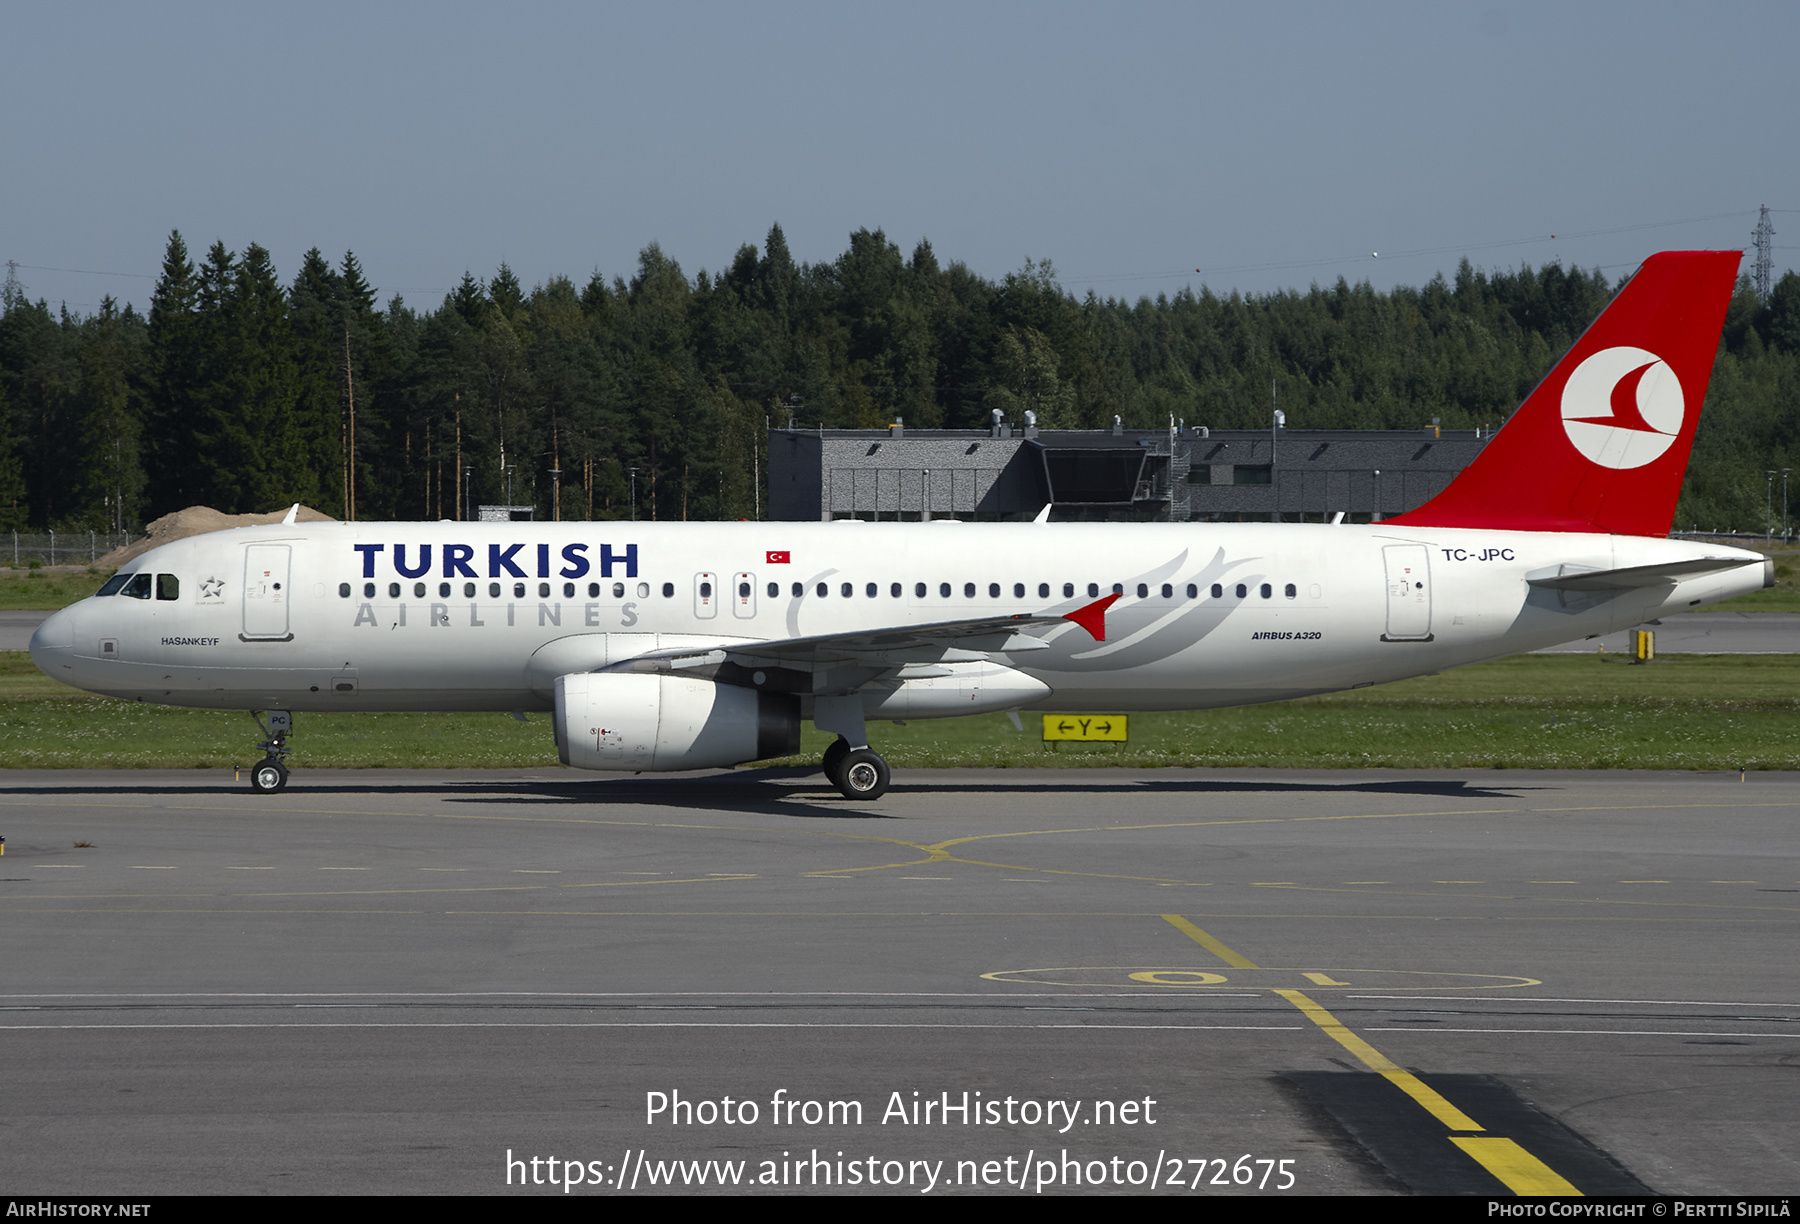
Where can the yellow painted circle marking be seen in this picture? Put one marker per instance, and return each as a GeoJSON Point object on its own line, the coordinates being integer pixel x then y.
{"type": "Point", "coordinates": [1177, 977]}
{"type": "Point", "coordinates": [1261, 978]}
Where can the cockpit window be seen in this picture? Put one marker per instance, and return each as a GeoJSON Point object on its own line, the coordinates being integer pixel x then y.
{"type": "Point", "coordinates": [138, 587]}
{"type": "Point", "coordinates": [112, 585]}
{"type": "Point", "coordinates": [168, 586]}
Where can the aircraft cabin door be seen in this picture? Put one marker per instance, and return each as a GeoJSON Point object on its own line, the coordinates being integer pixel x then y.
{"type": "Point", "coordinates": [268, 592]}
{"type": "Point", "coordinates": [706, 595]}
{"type": "Point", "coordinates": [743, 592]}
{"type": "Point", "coordinates": [1408, 593]}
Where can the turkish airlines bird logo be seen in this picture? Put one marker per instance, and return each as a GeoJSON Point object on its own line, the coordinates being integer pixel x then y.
{"type": "Point", "coordinates": [1623, 407]}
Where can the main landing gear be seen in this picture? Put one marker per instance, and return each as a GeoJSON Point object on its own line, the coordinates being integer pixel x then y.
{"type": "Point", "coordinates": [858, 773]}
{"type": "Point", "coordinates": [271, 773]}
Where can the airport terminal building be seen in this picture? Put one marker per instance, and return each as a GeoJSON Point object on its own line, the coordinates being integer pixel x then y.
{"type": "Point", "coordinates": [1133, 475]}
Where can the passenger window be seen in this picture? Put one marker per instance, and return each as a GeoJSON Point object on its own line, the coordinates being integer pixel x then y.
{"type": "Point", "coordinates": [518, 590]}
{"type": "Point", "coordinates": [368, 590]}
{"type": "Point", "coordinates": [1266, 590]}
{"type": "Point", "coordinates": [138, 587]}
{"type": "Point", "coordinates": [944, 590]}
{"type": "Point", "coordinates": [743, 590]}
{"type": "Point", "coordinates": [393, 590]}
{"type": "Point", "coordinates": [1193, 591]}
{"type": "Point", "coordinates": [1068, 590]}
{"type": "Point", "coordinates": [343, 590]}
{"type": "Point", "coordinates": [568, 590]}
{"type": "Point", "coordinates": [774, 589]}
{"type": "Point", "coordinates": [468, 590]}
{"type": "Point", "coordinates": [968, 590]}
{"type": "Point", "coordinates": [1218, 592]}
{"type": "Point", "coordinates": [1168, 591]}
{"type": "Point", "coordinates": [493, 590]}
{"type": "Point", "coordinates": [894, 590]}
{"type": "Point", "coordinates": [418, 590]}
{"type": "Point", "coordinates": [824, 588]}
{"type": "Point", "coordinates": [1144, 591]}
{"type": "Point", "coordinates": [643, 590]}
{"type": "Point", "coordinates": [593, 590]}
{"type": "Point", "coordinates": [1043, 590]}
{"type": "Point", "coordinates": [168, 587]}
{"type": "Point", "coordinates": [443, 590]}
{"type": "Point", "coordinates": [111, 585]}
{"type": "Point", "coordinates": [1242, 590]}
{"type": "Point", "coordinates": [993, 590]}
{"type": "Point", "coordinates": [846, 590]}
{"type": "Point", "coordinates": [543, 590]}
{"type": "Point", "coordinates": [1118, 588]}
{"type": "Point", "coordinates": [1093, 590]}
{"type": "Point", "coordinates": [668, 590]}
{"type": "Point", "coordinates": [618, 590]}
{"type": "Point", "coordinates": [1290, 591]}
{"type": "Point", "coordinates": [871, 590]}
{"type": "Point", "coordinates": [798, 590]}
{"type": "Point", "coordinates": [919, 590]}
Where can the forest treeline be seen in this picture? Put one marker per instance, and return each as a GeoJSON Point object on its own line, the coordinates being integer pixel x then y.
{"type": "Point", "coordinates": [243, 392]}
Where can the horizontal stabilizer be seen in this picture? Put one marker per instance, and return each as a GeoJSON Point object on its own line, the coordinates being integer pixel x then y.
{"type": "Point", "coordinates": [1585, 578]}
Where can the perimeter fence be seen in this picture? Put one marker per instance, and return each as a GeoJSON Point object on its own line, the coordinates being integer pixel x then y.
{"type": "Point", "coordinates": [61, 547]}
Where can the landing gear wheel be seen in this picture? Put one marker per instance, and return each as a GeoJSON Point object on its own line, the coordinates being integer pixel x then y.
{"type": "Point", "coordinates": [863, 775]}
{"type": "Point", "coordinates": [269, 776]}
{"type": "Point", "coordinates": [834, 760]}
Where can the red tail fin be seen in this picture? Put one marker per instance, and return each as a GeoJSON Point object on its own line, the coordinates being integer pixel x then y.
{"type": "Point", "coordinates": [1602, 443]}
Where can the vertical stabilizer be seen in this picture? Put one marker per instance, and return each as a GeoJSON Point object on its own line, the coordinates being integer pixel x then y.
{"type": "Point", "coordinates": [1602, 444]}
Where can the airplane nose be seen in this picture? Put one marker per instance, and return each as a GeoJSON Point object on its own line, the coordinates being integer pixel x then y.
{"type": "Point", "coordinates": [53, 640]}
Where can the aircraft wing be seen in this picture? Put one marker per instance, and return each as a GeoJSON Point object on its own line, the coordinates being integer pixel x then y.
{"type": "Point", "coordinates": [883, 648]}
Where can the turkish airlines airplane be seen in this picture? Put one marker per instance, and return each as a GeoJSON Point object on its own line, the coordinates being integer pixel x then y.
{"type": "Point", "coordinates": [673, 646]}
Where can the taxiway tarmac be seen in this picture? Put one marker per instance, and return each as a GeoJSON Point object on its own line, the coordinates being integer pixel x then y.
{"type": "Point", "coordinates": [389, 981]}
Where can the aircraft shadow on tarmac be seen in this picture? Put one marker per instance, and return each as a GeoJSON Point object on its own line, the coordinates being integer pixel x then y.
{"type": "Point", "coordinates": [796, 790]}
{"type": "Point", "coordinates": [799, 791]}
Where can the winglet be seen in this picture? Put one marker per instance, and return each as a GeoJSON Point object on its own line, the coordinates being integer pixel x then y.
{"type": "Point", "coordinates": [1093, 617]}
{"type": "Point", "coordinates": [293, 514]}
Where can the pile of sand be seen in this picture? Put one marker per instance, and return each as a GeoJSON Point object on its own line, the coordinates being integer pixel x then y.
{"type": "Point", "coordinates": [198, 520]}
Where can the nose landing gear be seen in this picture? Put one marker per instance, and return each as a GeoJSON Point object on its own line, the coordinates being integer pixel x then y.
{"type": "Point", "coordinates": [271, 773]}
{"type": "Point", "coordinates": [269, 776]}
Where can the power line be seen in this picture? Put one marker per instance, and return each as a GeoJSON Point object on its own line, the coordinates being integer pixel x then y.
{"type": "Point", "coordinates": [1286, 265]}
{"type": "Point", "coordinates": [82, 271]}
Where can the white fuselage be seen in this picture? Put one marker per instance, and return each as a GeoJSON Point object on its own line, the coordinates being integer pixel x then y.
{"type": "Point", "coordinates": [334, 616]}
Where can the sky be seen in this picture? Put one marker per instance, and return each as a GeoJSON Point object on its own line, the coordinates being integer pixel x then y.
{"type": "Point", "coordinates": [1138, 147]}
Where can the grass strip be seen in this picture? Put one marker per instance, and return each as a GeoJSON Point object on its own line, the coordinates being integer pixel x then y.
{"type": "Point", "coordinates": [1702, 712]}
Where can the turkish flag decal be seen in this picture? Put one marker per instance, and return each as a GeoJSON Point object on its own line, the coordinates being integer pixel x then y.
{"type": "Point", "coordinates": [780, 558]}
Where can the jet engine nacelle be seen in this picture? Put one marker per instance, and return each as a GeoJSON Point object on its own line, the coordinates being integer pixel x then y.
{"type": "Point", "coordinates": [634, 721]}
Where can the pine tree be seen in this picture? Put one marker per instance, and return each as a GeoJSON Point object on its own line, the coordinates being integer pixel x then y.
{"type": "Point", "coordinates": [264, 382]}
{"type": "Point", "coordinates": [316, 319]}
{"type": "Point", "coordinates": [14, 511]}
{"type": "Point", "coordinates": [169, 381]}
{"type": "Point", "coordinates": [112, 424]}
